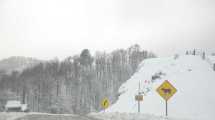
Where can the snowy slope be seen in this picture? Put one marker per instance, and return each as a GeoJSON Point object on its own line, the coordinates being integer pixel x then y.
{"type": "Point", "coordinates": [193, 77]}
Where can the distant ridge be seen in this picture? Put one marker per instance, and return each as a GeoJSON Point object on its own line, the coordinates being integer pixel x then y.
{"type": "Point", "coordinates": [17, 63]}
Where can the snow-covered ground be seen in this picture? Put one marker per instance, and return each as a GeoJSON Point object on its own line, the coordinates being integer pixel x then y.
{"type": "Point", "coordinates": [130, 116]}
{"type": "Point", "coordinates": [193, 78]}
{"type": "Point", "coordinates": [11, 116]}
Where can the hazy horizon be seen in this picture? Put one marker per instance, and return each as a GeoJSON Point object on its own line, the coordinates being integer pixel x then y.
{"type": "Point", "coordinates": [46, 29]}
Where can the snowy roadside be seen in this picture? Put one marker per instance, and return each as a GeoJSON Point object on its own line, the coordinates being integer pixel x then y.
{"type": "Point", "coordinates": [11, 116]}
{"type": "Point", "coordinates": [129, 116]}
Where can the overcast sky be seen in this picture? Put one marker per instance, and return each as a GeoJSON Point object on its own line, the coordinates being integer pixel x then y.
{"type": "Point", "coordinates": [58, 28]}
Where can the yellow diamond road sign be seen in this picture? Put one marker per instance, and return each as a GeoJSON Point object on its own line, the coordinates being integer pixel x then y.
{"type": "Point", "coordinates": [166, 90]}
{"type": "Point", "coordinates": [105, 103]}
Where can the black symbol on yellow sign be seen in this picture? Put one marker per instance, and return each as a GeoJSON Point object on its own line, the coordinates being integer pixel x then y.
{"type": "Point", "coordinates": [166, 90]}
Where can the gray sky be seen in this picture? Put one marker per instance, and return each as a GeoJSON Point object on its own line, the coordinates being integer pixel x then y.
{"type": "Point", "coordinates": [49, 28]}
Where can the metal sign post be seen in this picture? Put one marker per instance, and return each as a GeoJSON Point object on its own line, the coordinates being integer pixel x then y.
{"type": "Point", "coordinates": [139, 98]}
{"type": "Point", "coordinates": [166, 108]}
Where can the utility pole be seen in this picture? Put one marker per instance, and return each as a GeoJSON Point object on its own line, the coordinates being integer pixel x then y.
{"type": "Point", "coordinates": [138, 100]}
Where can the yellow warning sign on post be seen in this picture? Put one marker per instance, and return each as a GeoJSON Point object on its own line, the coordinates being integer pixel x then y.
{"type": "Point", "coordinates": [105, 103]}
{"type": "Point", "coordinates": [166, 90]}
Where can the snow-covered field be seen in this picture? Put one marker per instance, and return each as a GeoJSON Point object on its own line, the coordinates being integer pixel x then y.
{"type": "Point", "coordinates": [193, 78]}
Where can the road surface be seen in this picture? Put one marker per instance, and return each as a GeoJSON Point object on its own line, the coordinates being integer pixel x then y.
{"type": "Point", "coordinates": [55, 117]}
{"type": "Point", "coordinates": [38, 116]}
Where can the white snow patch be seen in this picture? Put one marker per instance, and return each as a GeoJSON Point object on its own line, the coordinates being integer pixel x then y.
{"type": "Point", "coordinates": [11, 115]}
{"type": "Point", "coordinates": [130, 116]}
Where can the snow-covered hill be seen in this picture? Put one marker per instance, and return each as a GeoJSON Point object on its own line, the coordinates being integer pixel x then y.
{"type": "Point", "coordinates": [193, 77]}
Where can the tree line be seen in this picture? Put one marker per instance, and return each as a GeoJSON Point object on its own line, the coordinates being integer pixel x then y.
{"type": "Point", "coordinates": [75, 85]}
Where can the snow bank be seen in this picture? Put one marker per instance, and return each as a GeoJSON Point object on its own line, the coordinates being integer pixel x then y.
{"type": "Point", "coordinates": [130, 116]}
{"type": "Point", "coordinates": [191, 75]}
{"type": "Point", "coordinates": [11, 116]}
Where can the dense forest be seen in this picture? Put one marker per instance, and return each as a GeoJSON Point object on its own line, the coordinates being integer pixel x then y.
{"type": "Point", "coordinates": [74, 85]}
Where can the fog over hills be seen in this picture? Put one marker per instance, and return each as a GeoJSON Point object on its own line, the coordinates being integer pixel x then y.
{"type": "Point", "coordinates": [17, 63]}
